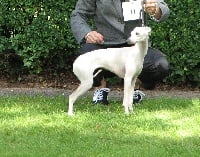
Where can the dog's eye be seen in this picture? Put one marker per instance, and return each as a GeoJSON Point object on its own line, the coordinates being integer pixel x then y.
{"type": "Point", "coordinates": [137, 33]}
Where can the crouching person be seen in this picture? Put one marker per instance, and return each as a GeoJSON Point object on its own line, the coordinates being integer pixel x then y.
{"type": "Point", "coordinates": [111, 30]}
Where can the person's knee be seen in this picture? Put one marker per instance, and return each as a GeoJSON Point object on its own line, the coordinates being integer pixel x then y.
{"type": "Point", "coordinates": [163, 67]}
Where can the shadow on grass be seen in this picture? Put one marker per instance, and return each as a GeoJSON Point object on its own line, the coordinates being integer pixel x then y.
{"type": "Point", "coordinates": [74, 141]}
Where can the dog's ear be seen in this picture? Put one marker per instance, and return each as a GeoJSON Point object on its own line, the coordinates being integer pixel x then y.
{"type": "Point", "coordinates": [148, 30]}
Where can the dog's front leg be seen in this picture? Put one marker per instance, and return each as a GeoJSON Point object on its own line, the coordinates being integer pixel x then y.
{"type": "Point", "coordinates": [132, 94]}
{"type": "Point", "coordinates": [128, 94]}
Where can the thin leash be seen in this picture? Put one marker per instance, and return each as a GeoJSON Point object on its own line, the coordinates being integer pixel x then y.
{"type": "Point", "coordinates": [143, 15]}
{"type": "Point", "coordinates": [144, 18]}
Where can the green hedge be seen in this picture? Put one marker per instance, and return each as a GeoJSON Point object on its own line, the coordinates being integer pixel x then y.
{"type": "Point", "coordinates": [35, 37]}
{"type": "Point", "coordinates": [38, 32]}
{"type": "Point", "coordinates": [179, 38]}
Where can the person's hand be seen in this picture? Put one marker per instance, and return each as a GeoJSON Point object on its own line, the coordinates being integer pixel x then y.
{"type": "Point", "coordinates": [94, 37]}
{"type": "Point", "coordinates": [151, 7]}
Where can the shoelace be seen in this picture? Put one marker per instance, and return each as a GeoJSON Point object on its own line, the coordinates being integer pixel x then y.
{"type": "Point", "coordinates": [138, 92]}
{"type": "Point", "coordinates": [98, 94]}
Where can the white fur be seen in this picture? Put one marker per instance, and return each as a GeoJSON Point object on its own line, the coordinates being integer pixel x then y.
{"type": "Point", "coordinates": [126, 62]}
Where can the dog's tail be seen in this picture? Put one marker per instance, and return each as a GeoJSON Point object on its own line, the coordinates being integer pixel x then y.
{"type": "Point", "coordinates": [97, 77]}
{"type": "Point", "coordinates": [96, 72]}
{"type": "Point", "coordinates": [99, 74]}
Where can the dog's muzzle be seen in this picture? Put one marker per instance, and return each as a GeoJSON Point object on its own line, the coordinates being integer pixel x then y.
{"type": "Point", "coordinates": [130, 42]}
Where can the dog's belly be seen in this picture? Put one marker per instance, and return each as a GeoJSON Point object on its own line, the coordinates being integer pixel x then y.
{"type": "Point", "coordinates": [119, 71]}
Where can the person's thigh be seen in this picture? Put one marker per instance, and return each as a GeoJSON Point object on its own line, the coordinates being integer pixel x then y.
{"type": "Point", "coordinates": [87, 47]}
{"type": "Point", "coordinates": [155, 67]}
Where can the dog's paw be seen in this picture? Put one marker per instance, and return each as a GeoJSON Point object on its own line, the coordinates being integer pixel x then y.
{"type": "Point", "coordinates": [126, 110]}
{"type": "Point", "coordinates": [70, 113]}
{"type": "Point", "coordinates": [131, 110]}
{"type": "Point", "coordinates": [127, 113]}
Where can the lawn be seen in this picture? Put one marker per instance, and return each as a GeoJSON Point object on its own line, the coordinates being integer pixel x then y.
{"type": "Point", "coordinates": [39, 127]}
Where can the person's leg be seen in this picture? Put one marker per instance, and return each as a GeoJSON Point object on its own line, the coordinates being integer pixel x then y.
{"type": "Point", "coordinates": [155, 68]}
{"type": "Point", "coordinates": [87, 47]}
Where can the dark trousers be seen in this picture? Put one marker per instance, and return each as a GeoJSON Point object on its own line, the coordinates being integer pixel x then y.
{"type": "Point", "coordinates": [155, 66]}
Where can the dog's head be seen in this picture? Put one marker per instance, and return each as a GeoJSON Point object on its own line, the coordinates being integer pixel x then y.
{"type": "Point", "coordinates": [139, 34]}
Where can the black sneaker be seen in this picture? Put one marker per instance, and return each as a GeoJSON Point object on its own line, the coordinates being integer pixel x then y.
{"type": "Point", "coordinates": [101, 96]}
{"type": "Point", "coordinates": [138, 96]}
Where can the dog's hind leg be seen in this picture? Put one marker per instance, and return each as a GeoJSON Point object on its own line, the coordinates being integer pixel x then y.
{"type": "Point", "coordinates": [83, 87]}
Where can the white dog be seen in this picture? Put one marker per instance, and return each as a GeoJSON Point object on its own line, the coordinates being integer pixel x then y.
{"type": "Point", "coordinates": [126, 62]}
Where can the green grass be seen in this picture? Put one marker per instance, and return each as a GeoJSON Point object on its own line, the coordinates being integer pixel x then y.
{"type": "Point", "coordinates": [39, 127]}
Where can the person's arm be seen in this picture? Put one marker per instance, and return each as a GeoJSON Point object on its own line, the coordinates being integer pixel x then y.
{"type": "Point", "coordinates": [157, 9]}
{"type": "Point", "coordinates": [79, 18]}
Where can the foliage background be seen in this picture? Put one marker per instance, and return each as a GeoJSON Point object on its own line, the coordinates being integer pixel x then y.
{"type": "Point", "coordinates": [35, 37]}
{"type": "Point", "coordinates": [178, 38]}
{"type": "Point", "coordinates": [39, 33]}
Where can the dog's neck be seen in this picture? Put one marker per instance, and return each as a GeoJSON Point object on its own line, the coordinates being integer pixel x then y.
{"type": "Point", "coordinates": [142, 46]}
